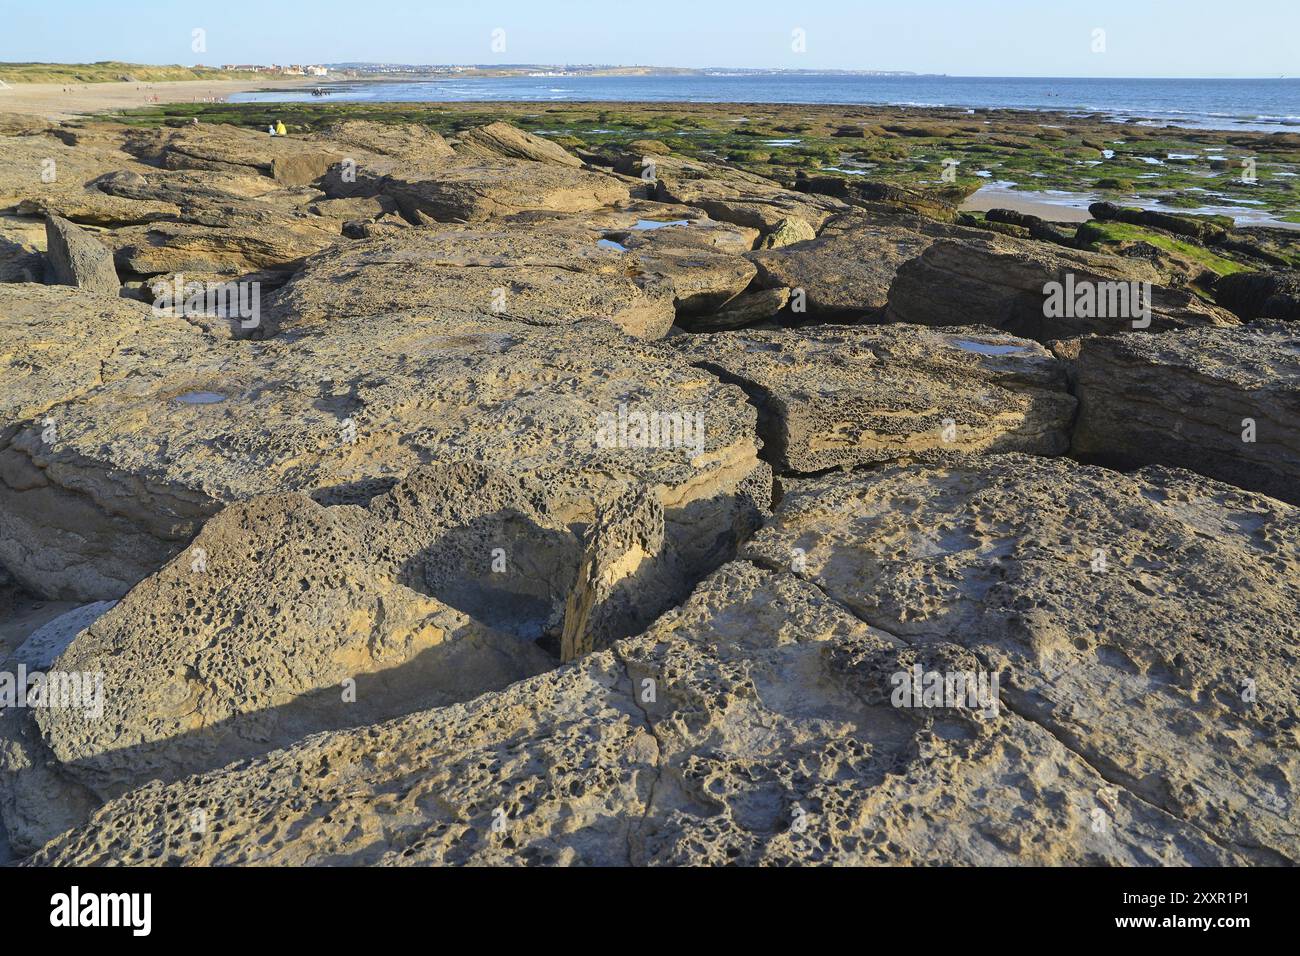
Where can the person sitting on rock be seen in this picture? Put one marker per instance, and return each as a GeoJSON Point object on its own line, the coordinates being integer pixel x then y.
{"type": "Point", "coordinates": [279, 128]}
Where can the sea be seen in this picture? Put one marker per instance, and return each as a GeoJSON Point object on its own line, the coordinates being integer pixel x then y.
{"type": "Point", "coordinates": [1255, 104]}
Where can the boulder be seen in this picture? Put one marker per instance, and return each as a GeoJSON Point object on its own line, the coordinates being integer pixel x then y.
{"type": "Point", "coordinates": [848, 396]}
{"type": "Point", "coordinates": [224, 148]}
{"type": "Point", "coordinates": [745, 309]}
{"type": "Point", "coordinates": [1199, 228]}
{"type": "Point", "coordinates": [847, 270]}
{"type": "Point", "coordinates": [370, 138]}
{"type": "Point", "coordinates": [1141, 620]}
{"type": "Point", "coordinates": [730, 195]}
{"type": "Point", "coordinates": [471, 191]}
{"type": "Point", "coordinates": [692, 231]}
{"type": "Point", "coordinates": [702, 280]}
{"type": "Point", "coordinates": [75, 257]}
{"type": "Point", "coordinates": [629, 574]}
{"type": "Point", "coordinates": [1222, 402]}
{"type": "Point", "coordinates": [504, 140]}
{"type": "Point", "coordinates": [1261, 295]}
{"type": "Point", "coordinates": [788, 231]}
{"type": "Point", "coordinates": [938, 204]}
{"type": "Point", "coordinates": [1034, 291]}
{"type": "Point", "coordinates": [646, 753]}
{"type": "Point", "coordinates": [243, 245]}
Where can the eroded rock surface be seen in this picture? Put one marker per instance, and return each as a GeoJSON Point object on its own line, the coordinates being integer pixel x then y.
{"type": "Point", "coordinates": [75, 257]}
{"type": "Point", "coordinates": [648, 753]}
{"type": "Point", "coordinates": [849, 395]}
{"type": "Point", "coordinates": [449, 559]}
{"type": "Point", "coordinates": [1224, 402]}
{"type": "Point", "coordinates": [1146, 621]}
{"type": "Point", "coordinates": [504, 140]}
{"type": "Point", "coordinates": [848, 268]}
{"type": "Point", "coordinates": [519, 272]}
{"type": "Point", "coordinates": [471, 190]}
{"type": "Point", "coordinates": [138, 462]}
{"type": "Point", "coordinates": [730, 195]}
{"type": "Point", "coordinates": [1003, 283]}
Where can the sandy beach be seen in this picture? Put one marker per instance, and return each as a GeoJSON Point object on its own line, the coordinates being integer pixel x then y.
{"type": "Point", "coordinates": [989, 198]}
{"type": "Point", "coordinates": [57, 101]}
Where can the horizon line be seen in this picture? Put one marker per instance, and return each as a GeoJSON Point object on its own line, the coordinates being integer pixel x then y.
{"type": "Point", "coordinates": [643, 66]}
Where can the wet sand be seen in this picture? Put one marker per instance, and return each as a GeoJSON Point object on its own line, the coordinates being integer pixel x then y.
{"type": "Point", "coordinates": [58, 101]}
{"type": "Point", "coordinates": [1073, 207]}
{"type": "Point", "coordinates": [987, 199]}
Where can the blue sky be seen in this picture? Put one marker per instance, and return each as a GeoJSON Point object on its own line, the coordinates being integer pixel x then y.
{"type": "Point", "coordinates": [961, 37]}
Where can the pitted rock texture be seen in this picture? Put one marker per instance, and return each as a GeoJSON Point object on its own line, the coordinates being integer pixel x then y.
{"type": "Point", "coordinates": [830, 396]}
{"type": "Point", "coordinates": [629, 573]}
{"type": "Point", "coordinates": [293, 618]}
{"type": "Point", "coordinates": [1223, 402]}
{"type": "Point", "coordinates": [1003, 283]}
{"type": "Point", "coordinates": [464, 550]}
{"type": "Point", "coordinates": [650, 753]}
{"type": "Point", "coordinates": [516, 271]}
{"type": "Point", "coordinates": [1147, 621]}
{"type": "Point", "coordinates": [65, 530]}
{"type": "Point", "coordinates": [140, 461]}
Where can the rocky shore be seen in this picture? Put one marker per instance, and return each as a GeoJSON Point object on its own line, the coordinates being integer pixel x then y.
{"type": "Point", "coordinates": [370, 495]}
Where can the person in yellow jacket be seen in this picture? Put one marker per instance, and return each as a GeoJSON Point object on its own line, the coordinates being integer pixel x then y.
{"type": "Point", "coordinates": [279, 128]}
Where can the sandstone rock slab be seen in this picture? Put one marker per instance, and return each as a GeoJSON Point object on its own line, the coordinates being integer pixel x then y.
{"type": "Point", "coordinates": [139, 461]}
{"type": "Point", "coordinates": [1222, 402]}
{"type": "Point", "coordinates": [650, 753]}
{"type": "Point", "coordinates": [1004, 283]}
{"type": "Point", "coordinates": [848, 268]}
{"type": "Point", "coordinates": [1147, 621]}
{"type": "Point", "coordinates": [522, 272]}
{"type": "Point", "coordinates": [504, 140]}
{"type": "Point", "coordinates": [832, 396]}
{"type": "Point", "coordinates": [75, 257]}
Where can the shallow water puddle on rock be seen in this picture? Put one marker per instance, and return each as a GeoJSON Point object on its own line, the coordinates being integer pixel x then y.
{"type": "Point", "coordinates": [987, 348]}
{"type": "Point", "coordinates": [611, 244]}
{"type": "Point", "coordinates": [200, 398]}
{"type": "Point", "coordinates": [643, 224]}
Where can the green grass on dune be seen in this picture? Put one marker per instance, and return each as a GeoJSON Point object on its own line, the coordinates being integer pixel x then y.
{"type": "Point", "coordinates": [111, 71]}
